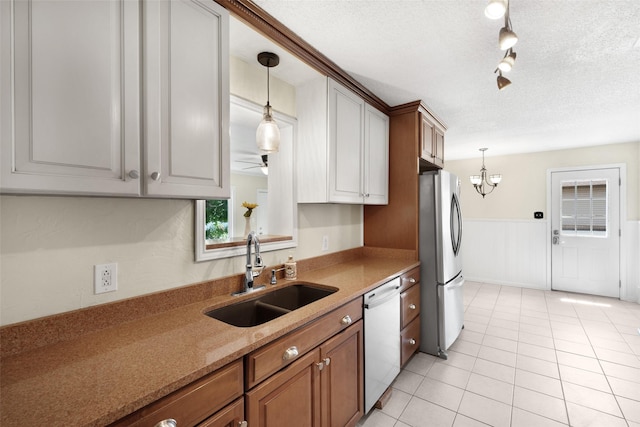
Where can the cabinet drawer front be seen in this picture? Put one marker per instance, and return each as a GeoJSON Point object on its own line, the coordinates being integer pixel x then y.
{"type": "Point", "coordinates": [410, 340]}
{"type": "Point", "coordinates": [193, 403]}
{"type": "Point", "coordinates": [410, 305]}
{"type": "Point", "coordinates": [409, 279]}
{"type": "Point", "coordinates": [270, 358]}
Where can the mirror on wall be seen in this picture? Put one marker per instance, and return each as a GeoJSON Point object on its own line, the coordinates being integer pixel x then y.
{"type": "Point", "coordinates": [256, 179]}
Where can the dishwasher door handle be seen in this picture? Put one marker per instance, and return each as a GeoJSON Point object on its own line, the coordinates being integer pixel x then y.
{"type": "Point", "coordinates": [381, 298]}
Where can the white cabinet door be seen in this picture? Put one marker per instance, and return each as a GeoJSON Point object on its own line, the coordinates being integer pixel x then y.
{"type": "Point", "coordinates": [69, 107]}
{"type": "Point", "coordinates": [186, 85]}
{"type": "Point", "coordinates": [376, 157]}
{"type": "Point", "coordinates": [346, 138]}
{"type": "Point", "coordinates": [343, 146]}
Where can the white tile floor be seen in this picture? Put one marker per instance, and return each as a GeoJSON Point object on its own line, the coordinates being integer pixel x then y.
{"type": "Point", "coordinates": [526, 358]}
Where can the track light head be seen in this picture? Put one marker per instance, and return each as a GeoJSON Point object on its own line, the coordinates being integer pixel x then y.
{"type": "Point", "coordinates": [495, 9]}
{"type": "Point", "coordinates": [502, 81]}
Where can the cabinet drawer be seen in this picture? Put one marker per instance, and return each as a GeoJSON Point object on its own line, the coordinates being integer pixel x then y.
{"type": "Point", "coordinates": [193, 403]}
{"type": "Point", "coordinates": [272, 357]}
{"type": "Point", "coordinates": [409, 305]}
{"type": "Point", "coordinates": [409, 279]}
{"type": "Point", "coordinates": [410, 340]}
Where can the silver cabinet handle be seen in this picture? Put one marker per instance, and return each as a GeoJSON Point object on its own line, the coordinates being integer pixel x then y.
{"type": "Point", "coordinates": [170, 422]}
{"type": "Point", "coordinates": [327, 361]}
{"type": "Point", "coordinates": [134, 174]}
{"type": "Point", "coordinates": [290, 353]}
{"type": "Point", "coordinates": [346, 320]}
{"type": "Point", "coordinates": [242, 424]}
{"type": "Point", "coordinates": [412, 341]}
{"type": "Point", "coordinates": [320, 366]}
{"type": "Point", "coordinates": [410, 280]}
{"type": "Point", "coordinates": [155, 176]}
{"type": "Point", "coordinates": [323, 363]}
{"type": "Point", "coordinates": [412, 306]}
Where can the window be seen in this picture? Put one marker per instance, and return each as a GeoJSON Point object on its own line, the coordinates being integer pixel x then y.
{"type": "Point", "coordinates": [584, 208]}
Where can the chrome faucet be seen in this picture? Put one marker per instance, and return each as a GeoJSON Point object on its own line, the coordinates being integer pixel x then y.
{"type": "Point", "coordinates": [249, 273]}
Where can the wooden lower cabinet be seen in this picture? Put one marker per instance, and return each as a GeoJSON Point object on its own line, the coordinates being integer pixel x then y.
{"type": "Point", "coordinates": [342, 379]}
{"type": "Point", "coordinates": [288, 398]}
{"type": "Point", "coordinates": [231, 416]}
{"type": "Point", "coordinates": [323, 388]}
{"type": "Point", "coordinates": [200, 401]}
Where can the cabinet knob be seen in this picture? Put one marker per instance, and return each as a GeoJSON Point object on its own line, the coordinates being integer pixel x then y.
{"type": "Point", "coordinates": [346, 320]}
{"type": "Point", "coordinates": [290, 353]}
{"type": "Point", "coordinates": [155, 176]}
{"type": "Point", "coordinates": [410, 280]}
{"type": "Point", "coordinates": [412, 341]}
{"type": "Point", "coordinates": [134, 174]}
{"type": "Point", "coordinates": [242, 424]}
{"type": "Point", "coordinates": [412, 306]}
{"type": "Point", "coordinates": [327, 361]}
{"type": "Point", "coordinates": [170, 422]}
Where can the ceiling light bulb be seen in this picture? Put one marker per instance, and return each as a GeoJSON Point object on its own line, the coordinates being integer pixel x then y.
{"type": "Point", "coordinates": [507, 62]}
{"type": "Point", "coordinates": [503, 82]}
{"type": "Point", "coordinates": [268, 134]}
{"type": "Point", "coordinates": [495, 9]}
{"type": "Point", "coordinates": [507, 38]}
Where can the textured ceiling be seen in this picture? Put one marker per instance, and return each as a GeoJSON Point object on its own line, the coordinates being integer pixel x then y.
{"type": "Point", "coordinates": [576, 81]}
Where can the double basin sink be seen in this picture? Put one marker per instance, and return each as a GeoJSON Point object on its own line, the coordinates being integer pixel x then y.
{"type": "Point", "coordinates": [270, 305]}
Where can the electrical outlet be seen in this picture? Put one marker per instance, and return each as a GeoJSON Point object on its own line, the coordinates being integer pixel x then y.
{"type": "Point", "coordinates": [105, 278]}
{"type": "Point", "coordinates": [325, 243]}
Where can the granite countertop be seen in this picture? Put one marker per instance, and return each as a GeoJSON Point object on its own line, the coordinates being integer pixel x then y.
{"type": "Point", "coordinates": [98, 378]}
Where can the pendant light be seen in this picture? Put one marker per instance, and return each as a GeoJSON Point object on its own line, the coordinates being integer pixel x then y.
{"type": "Point", "coordinates": [481, 183]}
{"type": "Point", "coordinates": [268, 134]}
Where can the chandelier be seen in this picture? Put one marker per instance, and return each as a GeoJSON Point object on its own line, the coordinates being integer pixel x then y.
{"type": "Point", "coordinates": [507, 38]}
{"type": "Point", "coordinates": [480, 182]}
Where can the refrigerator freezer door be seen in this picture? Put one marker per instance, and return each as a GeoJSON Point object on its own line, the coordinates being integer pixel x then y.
{"type": "Point", "coordinates": [450, 312]}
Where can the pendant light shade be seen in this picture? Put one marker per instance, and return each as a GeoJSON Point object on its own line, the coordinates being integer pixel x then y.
{"type": "Point", "coordinates": [495, 9]}
{"type": "Point", "coordinates": [502, 81]}
{"type": "Point", "coordinates": [507, 62]}
{"type": "Point", "coordinates": [268, 134]}
{"type": "Point", "coordinates": [507, 38]}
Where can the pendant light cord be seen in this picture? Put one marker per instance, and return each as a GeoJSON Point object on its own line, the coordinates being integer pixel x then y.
{"type": "Point", "coordinates": [268, 79]}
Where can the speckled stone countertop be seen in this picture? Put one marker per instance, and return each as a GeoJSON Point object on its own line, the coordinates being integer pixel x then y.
{"type": "Point", "coordinates": [98, 377]}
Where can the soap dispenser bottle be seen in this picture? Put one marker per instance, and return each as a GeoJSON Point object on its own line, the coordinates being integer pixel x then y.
{"type": "Point", "coordinates": [290, 269]}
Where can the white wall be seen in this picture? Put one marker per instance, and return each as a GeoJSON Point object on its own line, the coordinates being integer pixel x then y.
{"type": "Point", "coordinates": [50, 244]}
{"type": "Point", "coordinates": [504, 244]}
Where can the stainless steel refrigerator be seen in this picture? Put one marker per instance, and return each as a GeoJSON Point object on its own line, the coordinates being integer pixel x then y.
{"type": "Point", "coordinates": [441, 279]}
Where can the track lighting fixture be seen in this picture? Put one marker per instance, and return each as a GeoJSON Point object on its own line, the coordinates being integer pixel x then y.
{"type": "Point", "coordinates": [507, 38]}
{"type": "Point", "coordinates": [268, 134]}
{"type": "Point", "coordinates": [502, 81]}
{"type": "Point", "coordinates": [495, 9]}
{"type": "Point", "coordinates": [507, 62]}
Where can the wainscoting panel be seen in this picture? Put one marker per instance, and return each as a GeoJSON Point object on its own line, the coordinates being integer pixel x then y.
{"type": "Point", "coordinates": [514, 252]}
{"type": "Point", "coordinates": [505, 252]}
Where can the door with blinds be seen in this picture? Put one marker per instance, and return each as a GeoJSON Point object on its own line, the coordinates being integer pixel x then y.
{"type": "Point", "coordinates": [585, 227]}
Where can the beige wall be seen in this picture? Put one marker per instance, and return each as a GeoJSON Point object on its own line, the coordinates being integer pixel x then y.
{"type": "Point", "coordinates": [524, 179]}
{"type": "Point", "coordinates": [49, 245]}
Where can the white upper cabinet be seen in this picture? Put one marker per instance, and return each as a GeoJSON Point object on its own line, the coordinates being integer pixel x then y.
{"type": "Point", "coordinates": [72, 114]}
{"type": "Point", "coordinates": [186, 109]}
{"type": "Point", "coordinates": [343, 146]}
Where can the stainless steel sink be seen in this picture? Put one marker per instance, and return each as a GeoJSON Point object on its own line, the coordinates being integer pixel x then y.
{"type": "Point", "coordinates": [269, 306]}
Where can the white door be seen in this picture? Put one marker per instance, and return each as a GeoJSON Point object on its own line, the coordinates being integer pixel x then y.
{"type": "Point", "coordinates": [585, 227]}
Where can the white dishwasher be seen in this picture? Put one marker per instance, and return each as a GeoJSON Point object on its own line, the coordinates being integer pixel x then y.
{"type": "Point", "coordinates": [381, 340]}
